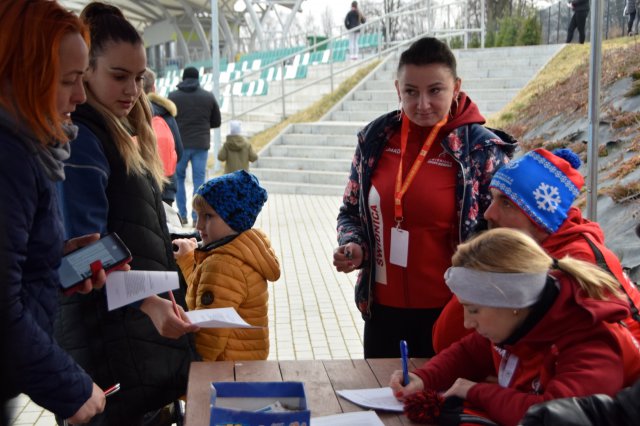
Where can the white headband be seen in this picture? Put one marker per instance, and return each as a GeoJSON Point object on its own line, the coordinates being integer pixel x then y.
{"type": "Point", "coordinates": [495, 289]}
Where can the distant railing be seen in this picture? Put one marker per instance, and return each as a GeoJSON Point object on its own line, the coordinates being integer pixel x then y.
{"type": "Point", "coordinates": [418, 19]}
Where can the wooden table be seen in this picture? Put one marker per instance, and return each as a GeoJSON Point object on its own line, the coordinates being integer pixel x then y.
{"type": "Point", "coordinates": [321, 379]}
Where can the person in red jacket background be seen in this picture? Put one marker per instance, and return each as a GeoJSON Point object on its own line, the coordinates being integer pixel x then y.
{"type": "Point", "coordinates": [544, 328]}
{"type": "Point", "coordinates": [549, 218]}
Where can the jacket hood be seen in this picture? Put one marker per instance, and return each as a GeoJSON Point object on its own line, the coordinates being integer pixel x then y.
{"type": "Point", "coordinates": [189, 85]}
{"type": "Point", "coordinates": [236, 142]}
{"type": "Point", "coordinates": [574, 312]}
{"type": "Point", "coordinates": [254, 248]}
{"type": "Point", "coordinates": [571, 230]}
{"type": "Point", "coordinates": [466, 112]}
{"type": "Point", "coordinates": [164, 105]}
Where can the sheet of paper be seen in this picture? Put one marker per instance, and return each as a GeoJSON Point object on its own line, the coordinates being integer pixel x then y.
{"type": "Point", "coordinates": [377, 398]}
{"type": "Point", "coordinates": [357, 418]}
{"type": "Point", "coordinates": [130, 286]}
{"type": "Point", "coordinates": [218, 318]}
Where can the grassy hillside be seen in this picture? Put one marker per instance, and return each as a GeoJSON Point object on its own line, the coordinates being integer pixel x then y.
{"type": "Point", "coordinates": [551, 112]}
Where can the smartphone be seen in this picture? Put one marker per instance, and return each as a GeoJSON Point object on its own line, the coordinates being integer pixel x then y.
{"type": "Point", "coordinates": [76, 266]}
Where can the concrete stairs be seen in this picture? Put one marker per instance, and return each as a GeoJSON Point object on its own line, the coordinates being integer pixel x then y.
{"type": "Point", "coordinates": [314, 158]}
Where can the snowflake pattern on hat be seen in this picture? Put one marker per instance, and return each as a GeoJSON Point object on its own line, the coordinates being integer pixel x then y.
{"type": "Point", "coordinates": [548, 197]}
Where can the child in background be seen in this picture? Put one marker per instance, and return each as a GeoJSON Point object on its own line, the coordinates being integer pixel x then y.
{"type": "Point", "coordinates": [231, 266]}
{"type": "Point", "coordinates": [236, 151]}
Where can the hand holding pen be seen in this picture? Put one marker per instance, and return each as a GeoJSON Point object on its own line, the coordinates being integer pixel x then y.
{"type": "Point", "coordinates": [403, 383]}
{"type": "Point", "coordinates": [348, 257]}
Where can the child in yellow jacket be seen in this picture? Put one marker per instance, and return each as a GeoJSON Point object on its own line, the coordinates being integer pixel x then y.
{"type": "Point", "coordinates": [231, 266]}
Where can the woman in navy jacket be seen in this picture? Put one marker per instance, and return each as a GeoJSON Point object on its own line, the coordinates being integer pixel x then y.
{"type": "Point", "coordinates": [41, 85]}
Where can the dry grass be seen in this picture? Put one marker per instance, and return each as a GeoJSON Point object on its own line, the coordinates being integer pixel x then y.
{"type": "Point", "coordinates": [559, 90]}
{"type": "Point", "coordinates": [623, 119]}
{"type": "Point", "coordinates": [624, 192]}
{"type": "Point", "coordinates": [559, 87]}
{"type": "Point", "coordinates": [625, 168]}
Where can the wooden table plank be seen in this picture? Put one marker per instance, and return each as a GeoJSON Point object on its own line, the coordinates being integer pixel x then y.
{"type": "Point", "coordinates": [350, 374]}
{"type": "Point", "coordinates": [201, 374]}
{"type": "Point", "coordinates": [321, 399]}
{"type": "Point", "coordinates": [257, 371]}
{"type": "Point", "coordinates": [383, 368]}
{"type": "Point", "coordinates": [321, 379]}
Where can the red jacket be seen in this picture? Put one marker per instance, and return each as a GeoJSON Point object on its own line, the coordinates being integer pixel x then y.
{"type": "Point", "coordinates": [569, 240]}
{"type": "Point", "coordinates": [576, 349]}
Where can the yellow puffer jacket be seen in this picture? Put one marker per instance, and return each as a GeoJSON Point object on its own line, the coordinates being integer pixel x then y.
{"type": "Point", "coordinates": [233, 275]}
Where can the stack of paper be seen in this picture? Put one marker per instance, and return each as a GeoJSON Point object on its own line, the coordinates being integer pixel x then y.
{"type": "Point", "coordinates": [377, 398]}
{"type": "Point", "coordinates": [357, 418]}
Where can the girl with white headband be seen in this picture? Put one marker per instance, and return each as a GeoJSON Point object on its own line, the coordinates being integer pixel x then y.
{"type": "Point", "coordinates": [543, 334]}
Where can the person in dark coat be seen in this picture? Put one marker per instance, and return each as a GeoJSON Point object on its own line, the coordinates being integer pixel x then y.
{"type": "Point", "coordinates": [198, 112]}
{"type": "Point", "coordinates": [578, 19]}
{"type": "Point", "coordinates": [42, 66]}
{"type": "Point", "coordinates": [163, 107]}
{"type": "Point", "coordinates": [114, 176]}
{"type": "Point", "coordinates": [595, 410]}
{"type": "Point", "coordinates": [352, 21]}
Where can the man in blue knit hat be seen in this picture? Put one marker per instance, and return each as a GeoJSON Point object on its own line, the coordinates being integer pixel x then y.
{"type": "Point", "coordinates": [535, 194]}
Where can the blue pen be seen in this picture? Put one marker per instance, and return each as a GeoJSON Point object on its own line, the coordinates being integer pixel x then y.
{"type": "Point", "coordinates": [404, 353]}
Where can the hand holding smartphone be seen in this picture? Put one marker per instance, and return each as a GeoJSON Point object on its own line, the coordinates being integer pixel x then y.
{"type": "Point", "coordinates": [108, 253]}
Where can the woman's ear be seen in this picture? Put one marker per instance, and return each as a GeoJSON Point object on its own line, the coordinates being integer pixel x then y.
{"type": "Point", "coordinates": [456, 87]}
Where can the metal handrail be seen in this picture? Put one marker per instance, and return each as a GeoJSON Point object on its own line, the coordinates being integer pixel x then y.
{"type": "Point", "coordinates": [370, 24]}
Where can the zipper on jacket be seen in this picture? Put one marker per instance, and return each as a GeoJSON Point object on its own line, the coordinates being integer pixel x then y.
{"type": "Point", "coordinates": [464, 188]}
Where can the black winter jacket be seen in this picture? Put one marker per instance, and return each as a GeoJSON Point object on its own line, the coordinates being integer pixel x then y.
{"type": "Point", "coordinates": [198, 112]}
{"type": "Point", "coordinates": [595, 410]}
{"type": "Point", "coordinates": [580, 5]}
{"type": "Point", "coordinates": [123, 346]}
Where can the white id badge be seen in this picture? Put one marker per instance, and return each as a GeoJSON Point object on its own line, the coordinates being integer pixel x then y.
{"type": "Point", "coordinates": [399, 247]}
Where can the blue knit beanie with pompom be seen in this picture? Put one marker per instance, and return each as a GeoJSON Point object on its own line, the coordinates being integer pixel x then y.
{"type": "Point", "coordinates": [543, 184]}
{"type": "Point", "coordinates": [237, 197]}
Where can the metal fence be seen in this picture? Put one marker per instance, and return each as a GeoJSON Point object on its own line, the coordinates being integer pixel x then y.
{"type": "Point", "coordinates": [555, 21]}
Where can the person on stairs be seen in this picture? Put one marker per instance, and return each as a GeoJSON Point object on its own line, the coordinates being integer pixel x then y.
{"type": "Point", "coordinates": [237, 151]}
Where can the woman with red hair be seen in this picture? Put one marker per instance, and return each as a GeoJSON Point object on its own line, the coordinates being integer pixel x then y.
{"type": "Point", "coordinates": [44, 57]}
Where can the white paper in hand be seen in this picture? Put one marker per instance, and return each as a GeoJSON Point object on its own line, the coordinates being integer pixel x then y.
{"type": "Point", "coordinates": [217, 318]}
{"type": "Point", "coordinates": [125, 287]}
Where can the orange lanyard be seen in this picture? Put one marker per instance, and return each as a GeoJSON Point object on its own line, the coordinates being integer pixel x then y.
{"type": "Point", "coordinates": [401, 187]}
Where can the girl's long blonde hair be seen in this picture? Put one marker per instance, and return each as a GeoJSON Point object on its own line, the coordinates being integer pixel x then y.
{"type": "Point", "coordinates": [107, 25]}
{"type": "Point", "coordinates": [511, 251]}
{"type": "Point", "coordinates": [139, 157]}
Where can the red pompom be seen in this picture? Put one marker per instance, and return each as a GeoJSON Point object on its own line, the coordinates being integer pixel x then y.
{"type": "Point", "coordinates": [423, 407]}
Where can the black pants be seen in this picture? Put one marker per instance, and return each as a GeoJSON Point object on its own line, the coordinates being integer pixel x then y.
{"type": "Point", "coordinates": [632, 17]}
{"type": "Point", "coordinates": [387, 326]}
{"type": "Point", "coordinates": [578, 20]}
